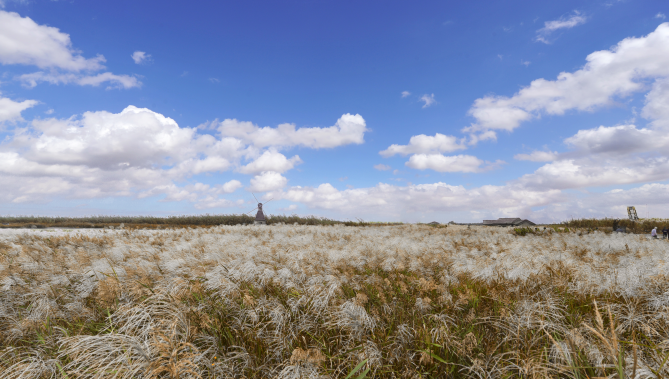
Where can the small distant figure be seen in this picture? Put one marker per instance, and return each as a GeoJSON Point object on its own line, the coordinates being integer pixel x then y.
{"type": "Point", "coordinates": [665, 233]}
{"type": "Point", "coordinates": [653, 233]}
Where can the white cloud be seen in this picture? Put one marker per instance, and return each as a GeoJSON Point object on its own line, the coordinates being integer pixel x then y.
{"type": "Point", "coordinates": [232, 186]}
{"type": "Point", "coordinates": [140, 153]}
{"type": "Point", "coordinates": [386, 200]}
{"type": "Point", "coordinates": [24, 42]}
{"type": "Point", "coordinates": [349, 129]}
{"type": "Point", "coordinates": [604, 156]}
{"type": "Point", "coordinates": [271, 160]}
{"type": "Point", "coordinates": [525, 63]}
{"type": "Point", "coordinates": [141, 57]}
{"type": "Point", "coordinates": [50, 111]}
{"type": "Point", "coordinates": [267, 181]}
{"type": "Point", "coordinates": [406, 93]}
{"type": "Point", "coordinates": [660, 15]}
{"type": "Point", "coordinates": [537, 156]}
{"type": "Point", "coordinates": [423, 144]}
{"type": "Point", "coordinates": [214, 80]}
{"type": "Point", "coordinates": [563, 23]}
{"type": "Point", "coordinates": [114, 81]}
{"type": "Point", "coordinates": [428, 99]}
{"type": "Point", "coordinates": [382, 167]}
{"type": "Point", "coordinates": [10, 110]}
{"type": "Point", "coordinates": [136, 136]}
{"type": "Point", "coordinates": [414, 202]}
{"type": "Point", "coordinates": [136, 152]}
{"type": "Point", "coordinates": [455, 163]}
{"type": "Point", "coordinates": [607, 74]}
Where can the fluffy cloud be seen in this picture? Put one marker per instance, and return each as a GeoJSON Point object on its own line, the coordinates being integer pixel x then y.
{"type": "Point", "coordinates": [10, 110]}
{"type": "Point", "coordinates": [349, 129]}
{"type": "Point", "coordinates": [426, 154]}
{"type": "Point", "coordinates": [422, 144]}
{"type": "Point", "coordinates": [428, 100]}
{"type": "Point", "coordinates": [382, 167]}
{"type": "Point", "coordinates": [136, 152]}
{"type": "Point", "coordinates": [608, 74]}
{"type": "Point", "coordinates": [23, 41]}
{"type": "Point", "coordinates": [455, 163]}
{"type": "Point", "coordinates": [267, 181]}
{"type": "Point", "coordinates": [141, 57]}
{"type": "Point", "coordinates": [611, 155]}
{"type": "Point", "coordinates": [135, 137]}
{"type": "Point", "coordinates": [406, 93]}
{"type": "Point", "coordinates": [563, 23]}
{"type": "Point", "coordinates": [271, 160]}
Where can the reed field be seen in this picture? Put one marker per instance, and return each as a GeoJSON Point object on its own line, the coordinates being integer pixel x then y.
{"type": "Point", "coordinates": [333, 301]}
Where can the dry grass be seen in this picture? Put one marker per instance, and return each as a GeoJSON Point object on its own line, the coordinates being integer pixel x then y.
{"type": "Point", "coordinates": [333, 302]}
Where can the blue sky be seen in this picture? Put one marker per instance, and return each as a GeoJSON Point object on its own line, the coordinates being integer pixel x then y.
{"type": "Point", "coordinates": [403, 111]}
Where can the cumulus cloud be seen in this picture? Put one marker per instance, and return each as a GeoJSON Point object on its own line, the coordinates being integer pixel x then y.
{"type": "Point", "coordinates": [271, 160]}
{"type": "Point", "coordinates": [406, 93]}
{"type": "Point", "coordinates": [563, 23]}
{"type": "Point", "coordinates": [136, 152]}
{"type": "Point", "coordinates": [382, 167]}
{"type": "Point", "coordinates": [661, 16]}
{"type": "Point", "coordinates": [428, 99]}
{"type": "Point", "coordinates": [423, 144]}
{"type": "Point", "coordinates": [455, 163]}
{"type": "Point", "coordinates": [139, 153]}
{"type": "Point", "coordinates": [141, 57]}
{"type": "Point", "coordinates": [267, 181]}
{"type": "Point", "coordinates": [349, 129]}
{"type": "Point", "coordinates": [232, 186]}
{"type": "Point", "coordinates": [608, 74]}
{"type": "Point", "coordinates": [610, 155]}
{"type": "Point", "coordinates": [10, 110]}
{"type": "Point", "coordinates": [24, 42]}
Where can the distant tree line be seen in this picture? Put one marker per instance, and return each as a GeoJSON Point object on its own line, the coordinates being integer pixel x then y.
{"type": "Point", "coordinates": [169, 221]}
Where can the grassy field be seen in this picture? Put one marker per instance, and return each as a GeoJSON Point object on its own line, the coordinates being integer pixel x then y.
{"type": "Point", "coordinates": [638, 227]}
{"type": "Point", "coordinates": [295, 301]}
{"type": "Point", "coordinates": [144, 222]}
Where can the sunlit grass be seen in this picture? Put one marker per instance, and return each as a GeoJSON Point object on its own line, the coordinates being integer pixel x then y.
{"type": "Point", "coordinates": [292, 301]}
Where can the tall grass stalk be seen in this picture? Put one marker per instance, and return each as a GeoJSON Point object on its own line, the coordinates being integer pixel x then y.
{"type": "Point", "coordinates": [298, 301]}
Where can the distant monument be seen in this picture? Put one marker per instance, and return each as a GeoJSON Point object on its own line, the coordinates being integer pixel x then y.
{"type": "Point", "coordinates": [260, 216]}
